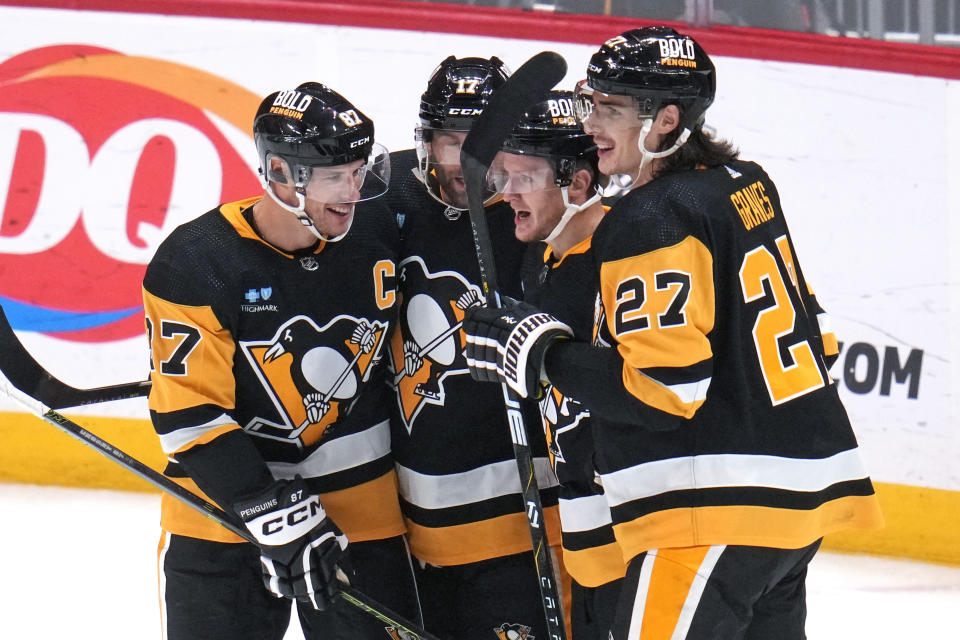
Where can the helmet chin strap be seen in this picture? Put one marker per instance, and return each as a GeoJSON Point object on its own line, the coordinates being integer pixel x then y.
{"type": "Point", "coordinates": [300, 212]}
{"type": "Point", "coordinates": [569, 210]}
{"type": "Point", "coordinates": [648, 156]}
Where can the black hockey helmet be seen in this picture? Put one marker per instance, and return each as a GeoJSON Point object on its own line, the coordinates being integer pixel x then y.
{"type": "Point", "coordinates": [658, 67]}
{"type": "Point", "coordinates": [311, 125]}
{"type": "Point", "coordinates": [304, 137]}
{"type": "Point", "coordinates": [550, 129]}
{"type": "Point", "coordinates": [459, 90]}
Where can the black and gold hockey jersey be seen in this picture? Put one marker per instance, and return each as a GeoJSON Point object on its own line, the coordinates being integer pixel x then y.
{"type": "Point", "coordinates": [459, 485]}
{"type": "Point", "coordinates": [566, 287]}
{"type": "Point", "coordinates": [290, 349]}
{"type": "Point", "coordinates": [714, 418]}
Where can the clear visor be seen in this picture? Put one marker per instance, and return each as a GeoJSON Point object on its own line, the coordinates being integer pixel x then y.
{"type": "Point", "coordinates": [339, 184]}
{"type": "Point", "coordinates": [598, 110]}
{"type": "Point", "coordinates": [438, 146]}
{"type": "Point", "coordinates": [438, 155]}
{"type": "Point", "coordinates": [512, 173]}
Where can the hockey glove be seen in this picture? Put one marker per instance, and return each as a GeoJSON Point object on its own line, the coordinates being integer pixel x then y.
{"type": "Point", "coordinates": [508, 344]}
{"type": "Point", "coordinates": [299, 545]}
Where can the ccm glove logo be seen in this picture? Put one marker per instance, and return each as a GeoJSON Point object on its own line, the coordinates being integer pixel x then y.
{"type": "Point", "coordinates": [283, 517]}
{"type": "Point", "coordinates": [291, 519]}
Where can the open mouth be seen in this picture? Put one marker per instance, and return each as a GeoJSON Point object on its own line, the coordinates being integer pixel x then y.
{"type": "Point", "coordinates": [604, 148]}
{"type": "Point", "coordinates": [341, 211]}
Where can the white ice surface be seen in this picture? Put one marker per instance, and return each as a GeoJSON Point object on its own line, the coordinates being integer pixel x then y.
{"type": "Point", "coordinates": [81, 564]}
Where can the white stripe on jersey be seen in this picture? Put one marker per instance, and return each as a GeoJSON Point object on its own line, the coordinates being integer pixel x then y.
{"type": "Point", "coordinates": [178, 439]}
{"type": "Point", "coordinates": [696, 592]}
{"type": "Point", "coordinates": [640, 598]}
{"type": "Point", "coordinates": [339, 454]}
{"type": "Point", "coordinates": [731, 470]}
{"type": "Point", "coordinates": [584, 513]}
{"type": "Point", "coordinates": [688, 392]}
{"type": "Point", "coordinates": [457, 489]}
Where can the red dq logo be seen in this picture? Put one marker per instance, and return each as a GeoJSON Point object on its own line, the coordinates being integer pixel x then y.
{"type": "Point", "coordinates": [101, 156]}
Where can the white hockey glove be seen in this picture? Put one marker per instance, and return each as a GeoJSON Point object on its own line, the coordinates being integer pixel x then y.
{"type": "Point", "coordinates": [508, 344]}
{"type": "Point", "coordinates": [299, 545]}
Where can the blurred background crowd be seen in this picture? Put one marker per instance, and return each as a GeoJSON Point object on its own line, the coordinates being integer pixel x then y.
{"type": "Point", "coordinates": [933, 22]}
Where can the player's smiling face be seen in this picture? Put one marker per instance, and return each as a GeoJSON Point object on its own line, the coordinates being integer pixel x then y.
{"type": "Point", "coordinates": [331, 197]}
{"type": "Point", "coordinates": [529, 189]}
{"type": "Point", "coordinates": [615, 126]}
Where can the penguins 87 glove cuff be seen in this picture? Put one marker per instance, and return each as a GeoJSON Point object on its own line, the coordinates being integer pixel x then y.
{"type": "Point", "coordinates": [299, 545]}
{"type": "Point", "coordinates": [508, 344]}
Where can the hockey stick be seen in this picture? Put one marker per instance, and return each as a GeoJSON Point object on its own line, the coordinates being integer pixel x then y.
{"type": "Point", "coordinates": [161, 482]}
{"type": "Point", "coordinates": [26, 374]}
{"type": "Point", "coordinates": [529, 84]}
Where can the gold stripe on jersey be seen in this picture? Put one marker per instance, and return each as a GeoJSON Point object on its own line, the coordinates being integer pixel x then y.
{"type": "Point", "coordinates": [380, 517]}
{"type": "Point", "coordinates": [476, 541]}
{"type": "Point", "coordinates": [581, 247]}
{"type": "Point", "coordinates": [660, 307]}
{"type": "Point", "coordinates": [176, 517]}
{"type": "Point", "coordinates": [184, 379]}
{"type": "Point", "coordinates": [189, 437]}
{"type": "Point", "coordinates": [233, 212]}
{"type": "Point", "coordinates": [588, 517]}
{"type": "Point", "coordinates": [671, 585]}
{"type": "Point", "coordinates": [746, 525]}
{"type": "Point", "coordinates": [831, 346]}
{"type": "Point", "coordinates": [595, 566]}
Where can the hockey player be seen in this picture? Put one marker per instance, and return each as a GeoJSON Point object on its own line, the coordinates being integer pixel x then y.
{"type": "Point", "coordinates": [459, 486]}
{"type": "Point", "coordinates": [724, 451]}
{"type": "Point", "coordinates": [548, 174]}
{"type": "Point", "coordinates": [268, 325]}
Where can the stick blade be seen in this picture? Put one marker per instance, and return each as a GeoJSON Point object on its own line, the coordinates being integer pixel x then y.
{"type": "Point", "coordinates": [527, 85]}
{"type": "Point", "coordinates": [16, 364]}
{"type": "Point", "coordinates": [30, 377]}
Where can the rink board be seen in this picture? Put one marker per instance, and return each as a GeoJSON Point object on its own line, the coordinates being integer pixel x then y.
{"type": "Point", "coordinates": [156, 117]}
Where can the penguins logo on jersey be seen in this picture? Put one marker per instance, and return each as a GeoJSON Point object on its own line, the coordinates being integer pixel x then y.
{"type": "Point", "coordinates": [560, 415]}
{"type": "Point", "coordinates": [507, 631]}
{"type": "Point", "coordinates": [429, 346]}
{"type": "Point", "coordinates": [312, 374]}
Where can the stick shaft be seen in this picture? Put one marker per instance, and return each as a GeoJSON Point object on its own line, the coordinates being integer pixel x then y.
{"type": "Point", "coordinates": [160, 481]}
{"type": "Point", "coordinates": [507, 105]}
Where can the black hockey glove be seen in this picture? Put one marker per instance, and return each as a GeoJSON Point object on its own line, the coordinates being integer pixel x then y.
{"type": "Point", "coordinates": [299, 545]}
{"type": "Point", "coordinates": [508, 344]}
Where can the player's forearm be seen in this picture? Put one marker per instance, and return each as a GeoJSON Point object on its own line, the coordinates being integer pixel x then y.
{"type": "Point", "coordinates": [594, 376]}
{"type": "Point", "coordinates": [227, 469]}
